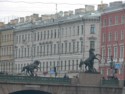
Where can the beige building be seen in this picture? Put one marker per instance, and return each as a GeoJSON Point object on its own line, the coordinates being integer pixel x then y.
{"type": "Point", "coordinates": [6, 49]}
{"type": "Point", "coordinates": [60, 43]}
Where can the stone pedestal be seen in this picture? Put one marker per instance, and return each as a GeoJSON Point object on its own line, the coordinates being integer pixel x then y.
{"type": "Point", "coordinates": [89, 79]}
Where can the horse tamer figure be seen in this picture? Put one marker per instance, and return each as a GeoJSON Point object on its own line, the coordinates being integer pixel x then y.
{"type": "Point", "coordinates": [29, 69]}
{"type": "Point", "coordinates": [89, 62]}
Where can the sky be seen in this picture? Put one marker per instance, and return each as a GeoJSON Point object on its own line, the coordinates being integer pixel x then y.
{"type": "Point", "coordinates": [11, 9]}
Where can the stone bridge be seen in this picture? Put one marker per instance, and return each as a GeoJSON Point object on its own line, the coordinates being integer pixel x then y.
{"type": "Point", "coordinates": [43, 85]}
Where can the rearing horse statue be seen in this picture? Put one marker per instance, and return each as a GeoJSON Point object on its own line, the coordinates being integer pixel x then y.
{"type": "Point", "coordinates": [29, 69]}
{"type": "Point", "coordinates": [89, 62]}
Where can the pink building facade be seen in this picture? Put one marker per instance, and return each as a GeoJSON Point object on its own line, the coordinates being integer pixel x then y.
{"type": "Point", "coordinates": [113, 41]}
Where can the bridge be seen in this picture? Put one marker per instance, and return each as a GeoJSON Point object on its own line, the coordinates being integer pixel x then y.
{"type": "Point", "coordinates": [51, 85]}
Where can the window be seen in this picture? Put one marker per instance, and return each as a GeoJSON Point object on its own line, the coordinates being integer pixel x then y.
{"type": "Point", "coordinates": [69, 31]}
{"type": "Point", "coordinates": [92, 29]}
{"type": "Point", "coordinates": [16, 39]}
{"type": "Point", "coordinates": [81, 46]}
{"type": "Point", "coordinates": [51, 34]}
{"type": "Point", "coordinates": [77, 64]}
{"type": "Point", "coordinates": [81, 29]}
{"type": "Point", "coordinates": [115, 52]}
{"type": "Point", "coordinates": [48, 34]}
{"type": "Point", "coordinates": [66, 32]}
{"type": "Point", "coordinates": [77, 46]}
{"type": "Point", "coordinates": [77, 30]}
{"type": "Point", "coordinates": [37, 50]}
{"type": "Point", "coordinates": [22, 51]}
{"type": "Point", "coordinates": [103, 53]}
{"type": "Point", "coordinates": [61, 65]}
{"type": "Point", "coordinates": [73, 46]}
{"type": "Point", "coordinates": [62, 48]}
{"type": "Point", "coordinates": [110, 21]}
{"type": "Point", "coordinates": [116, 36]}
{"type": "Point", "coordinates": [41, 35]}
{"type": "Point", "coordinates": [121, 51]}
{"type": "Point", "coordinates": [34, 37]}
{"type": "Point", "coordinates": [28, 51]}
{"type": "Point", "coordinates": [58, 48]}
{"type": "Point", "coordinates": [65, 65]}
{"type": "Point", "coordinates": [65, 47]}
{"type": "Point", "coordinates": [47, 49]}
{"type": "Point", "coordinates": [103, 37]}
{"type": "Point", "coordinates": [62, 32]}
{"type": "Point", "coordinates": [54, 48]}
{"type": "Point", "coordinates": [69, 47]}
{"type": "Point", "coordinates": [41, 50]}
{"type": "Point", "coordinates": [19, 54]}
{"type": "Point", "coordinates": [109, 36]}
{"type": "Point", "coordinates": [102, 71]}
{"type": "Point", "coordinates": [109, 52]}
{"type": "Point", "coordinates": [37, 36]}
{"type": "Point", "coordinates": [92, 44]}
{"type": "Point", "coordinates": [28, 37]}
{"type": "Point", "coordinates": [123, 19]}
{"type": "Point", "coordinates": [51, 49]}
{"type": "Point", "coordinates": [34, 51]}
{"type": "Point", "coordinates": [122, 35]}
{"type": "Point", "coordinates": [44, 34]}
{"type": "Point", "coordinates": [58, 33]}
{"type": "Point", "coordinates": [73, 30]}
{"type": "Point", "coordinates": [25, 52]}
{"type": "Point", "coordinates": [55, 34]}
{"type": "Point", "coordinates": [69, 65]}
{"type": "Point", "coordinates": [116, 20]}
{"type": "Point", "coordinates": [44, 50]}
{"type": "Point", "coordinates": [105, 22]}
{"type": "Point", "coordinates": [72, 64]}
{"type": "Point", "coordinates": [108, 72]}
{"type": "Point", "coordinates": [19, 38]}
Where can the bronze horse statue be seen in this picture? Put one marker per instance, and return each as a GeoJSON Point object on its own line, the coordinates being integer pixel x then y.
{"type": "Point", "coordinates": [29, 69]}
{"type": "Point", "coordinates": [89, 62]}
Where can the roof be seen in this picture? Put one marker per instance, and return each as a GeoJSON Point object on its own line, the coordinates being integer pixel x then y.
{"type": "Point", "coordinates": [62, 20]}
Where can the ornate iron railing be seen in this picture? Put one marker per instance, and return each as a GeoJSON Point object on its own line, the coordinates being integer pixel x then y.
{"type": "Point", "coordinates": [34, 80]}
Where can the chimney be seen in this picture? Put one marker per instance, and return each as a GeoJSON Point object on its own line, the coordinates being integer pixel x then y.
{"type": "Point", "coordinates": [2, 24]}
{"type": "Point", "coordinates": [28, 18]}
{"type": "Point", "coordinates": [21, 19]}
{"type": "Point", "coordinates": [66, 13]}
{"type": "Point", "coordinates": [70, 13]}
{"type": "Point", "coordinates": [89, 8]}
{"type": "Point", "coordinates": [116, 3]}
{"type": "Point", "coordinates": [46, 17]}
{"type": "Point", "coordinates": [14, 21]}
{"type": "Point", "coordinates": [79, 11]}
{"type": "Point", "coordinates": [35, 17]}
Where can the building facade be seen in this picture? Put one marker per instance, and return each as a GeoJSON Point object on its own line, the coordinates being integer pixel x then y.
{"type": "Point", "coordinates": [6, 49]}
{"type": "Point", "coordinates": [59, 43]}
{"type": "Point", "coordinates": [113, 40]}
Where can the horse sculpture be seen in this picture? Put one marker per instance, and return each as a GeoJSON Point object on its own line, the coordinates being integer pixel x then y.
{"type": "Point", "coordinates": [29, 69]}
{"type": "Point", "coordinates": [89, 62]}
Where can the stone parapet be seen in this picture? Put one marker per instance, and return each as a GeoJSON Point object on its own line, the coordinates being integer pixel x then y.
{"type": "Point", "coordinates": [88, 79]}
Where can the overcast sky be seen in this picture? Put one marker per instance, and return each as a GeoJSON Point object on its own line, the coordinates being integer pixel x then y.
{"type": "Point", "coordinates": [10, 9]}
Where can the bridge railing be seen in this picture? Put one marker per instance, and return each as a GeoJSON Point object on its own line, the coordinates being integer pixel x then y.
{"type": "Point", "coordinates": [35, 80]}
{"type": "Point", "coordinates": [111, 82]}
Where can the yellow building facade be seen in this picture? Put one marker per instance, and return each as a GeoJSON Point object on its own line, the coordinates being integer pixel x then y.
{"type": "Point", "coordinates": [6, 49]}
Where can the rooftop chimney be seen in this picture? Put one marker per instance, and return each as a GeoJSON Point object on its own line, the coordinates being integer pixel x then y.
{"type": "Point", "coordinates": [89, 8]}
{"type": "Point", "coordinates": [21, 19]}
